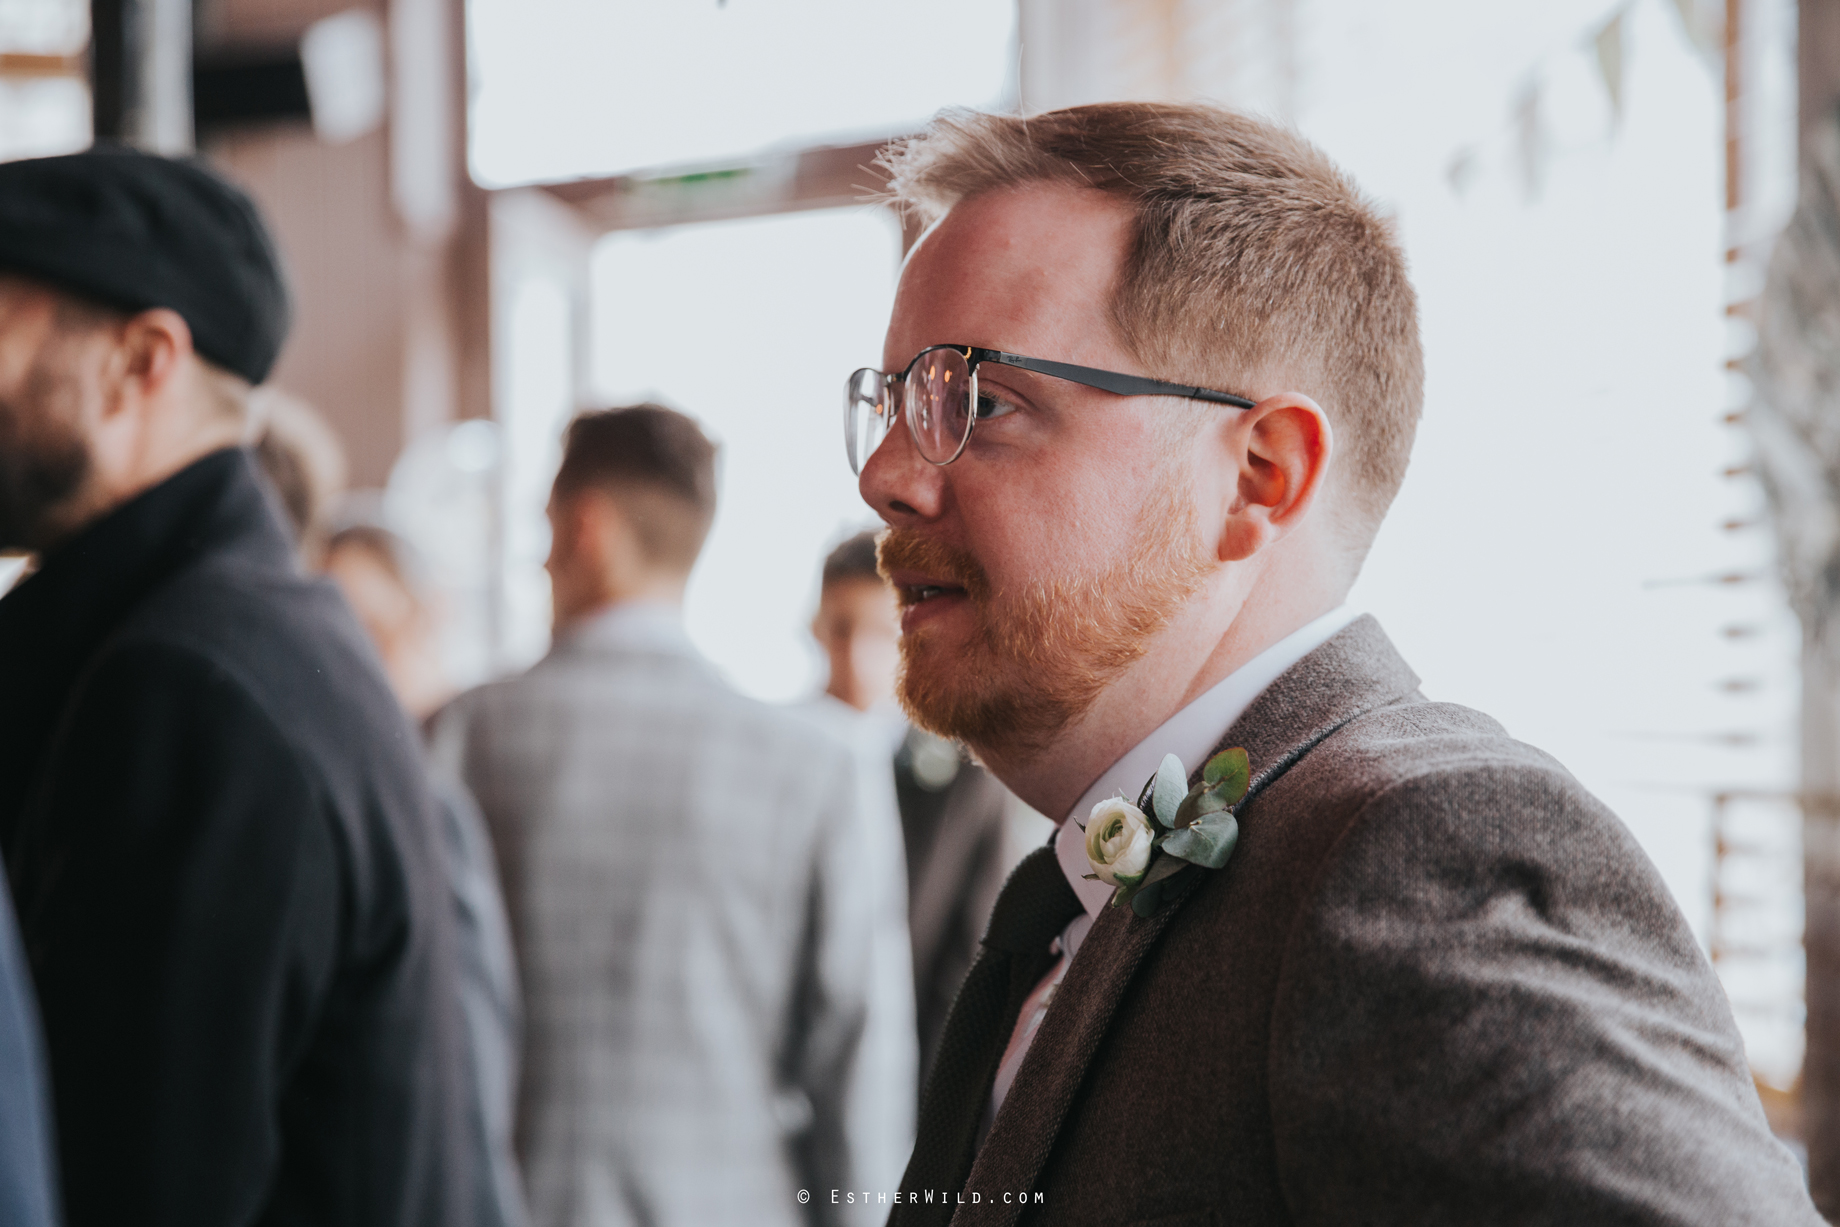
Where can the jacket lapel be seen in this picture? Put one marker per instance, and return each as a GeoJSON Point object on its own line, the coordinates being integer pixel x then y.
{"type": "Point", "coordinates": [1355, 672]}
{"type": "Point", "coordinates": [1032, 1114]}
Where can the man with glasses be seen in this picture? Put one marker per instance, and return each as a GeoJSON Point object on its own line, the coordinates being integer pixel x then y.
{"type": "Point", "coordinates": [1307, 947]}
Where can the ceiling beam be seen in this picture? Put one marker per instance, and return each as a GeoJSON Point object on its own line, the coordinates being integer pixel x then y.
{"type": "Point", "coordinates": [779, 183]}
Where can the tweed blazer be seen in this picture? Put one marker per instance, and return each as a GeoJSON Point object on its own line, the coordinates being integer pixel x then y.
{"type": "Point", "coordinates": [707, 901]}
{"type": "Point", "coordinates": [1438, 983]}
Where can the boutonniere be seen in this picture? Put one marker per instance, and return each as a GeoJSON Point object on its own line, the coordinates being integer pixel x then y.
{"type": "Point", "coordinates": [1134, 850]}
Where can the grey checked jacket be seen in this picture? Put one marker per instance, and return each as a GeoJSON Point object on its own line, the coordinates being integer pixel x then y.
{"type": "Point", "coordinates": [708, 902]}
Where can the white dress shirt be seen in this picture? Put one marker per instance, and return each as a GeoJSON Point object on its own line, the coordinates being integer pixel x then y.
{"type": "Point", "coordinates": [1189, 735]}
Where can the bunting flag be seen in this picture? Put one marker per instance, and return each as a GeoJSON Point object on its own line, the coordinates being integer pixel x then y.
{"type": "Point", "coordinates": [1530, 139]}
{"type": "Point", "coordinates": [1609, 46]}
{"type": "Point", "coordinates": [1607, 43]}
{"type": "Point", "coordinates": [1702, 31]}
{"type": "Point", "coordinates": [1462, 169]}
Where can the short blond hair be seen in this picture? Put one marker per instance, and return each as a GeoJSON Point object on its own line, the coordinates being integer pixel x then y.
{"type": "Point", "coordinates": [1253, 251]}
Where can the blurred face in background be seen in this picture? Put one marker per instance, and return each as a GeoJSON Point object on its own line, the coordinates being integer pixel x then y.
{"type": "Point", "coordinates": [578, 529]}
{"type": "Point", "coordinates": [398, 622]}
{"type": "Point", "coordinates": [858, 626]}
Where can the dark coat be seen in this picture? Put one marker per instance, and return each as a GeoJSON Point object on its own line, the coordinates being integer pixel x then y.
{"type": "Point", "coordinates": [1438, 983]}
{"type": "Point", "coordinates": [223, 853]}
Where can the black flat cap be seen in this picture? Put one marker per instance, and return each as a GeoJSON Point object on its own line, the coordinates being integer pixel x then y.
{"type": "Point", "coordinates": [132, 231]}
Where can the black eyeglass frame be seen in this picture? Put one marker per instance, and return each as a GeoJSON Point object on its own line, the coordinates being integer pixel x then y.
{"type": "Point", "coordinates": [1115, 382]}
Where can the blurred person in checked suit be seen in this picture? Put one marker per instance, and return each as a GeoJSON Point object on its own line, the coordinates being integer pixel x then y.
{"type": "Point", "coordinates": [705, 892]}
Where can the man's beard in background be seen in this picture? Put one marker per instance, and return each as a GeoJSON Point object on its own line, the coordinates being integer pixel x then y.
{"type": "Point", "coordinates": [1038, 665]}
{"type": "Point", "coordinates": [43, 460]}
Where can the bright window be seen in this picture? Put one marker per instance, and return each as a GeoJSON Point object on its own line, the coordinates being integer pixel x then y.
{"type": "Point", "coordinates": [572, 88]}
{"type": "Point", "coordinates": [44, 97]}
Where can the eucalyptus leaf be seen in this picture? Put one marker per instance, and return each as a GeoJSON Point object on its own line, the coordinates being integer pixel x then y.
{"type": "Point", "coordinates": [1171, 784]}
{"type": "Point", "coordinates": [1230, 773]}
{"type": "Point", "coordinates": [1186, 812]}
{"type": "Point", "coordinates": [1164, 867]}
{"type": "Point", "coordinates": [1207, 842]}
{"type": "Point", "coordinates": [1198, 804]}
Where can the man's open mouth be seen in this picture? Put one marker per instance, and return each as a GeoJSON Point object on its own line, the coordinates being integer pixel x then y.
{"type": "Point", "coordinates": [916, 589]}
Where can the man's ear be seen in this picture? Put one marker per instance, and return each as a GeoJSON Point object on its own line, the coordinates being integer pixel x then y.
{"type": "Point", "coordinates": [605, 532]}
{"type": "Point", "coordinates": [153, 350]}
{"type": "Point", "coordinates": [581, 521]}
{"type": "Point", "coordinates": [1281, 447]}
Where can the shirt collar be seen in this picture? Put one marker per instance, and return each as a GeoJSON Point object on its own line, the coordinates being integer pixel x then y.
{"type": "Point", "coordinates": [630, 626]}
{"type": "Point", "coordinates": [1189, 735]}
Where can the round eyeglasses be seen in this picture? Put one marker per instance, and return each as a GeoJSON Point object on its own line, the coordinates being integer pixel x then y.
{"type": "Point", "coordinates": [937, 395]}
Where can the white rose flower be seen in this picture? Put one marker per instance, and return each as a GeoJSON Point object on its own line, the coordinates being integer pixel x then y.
{"type": "Point", "coordinates": [1118, 839]}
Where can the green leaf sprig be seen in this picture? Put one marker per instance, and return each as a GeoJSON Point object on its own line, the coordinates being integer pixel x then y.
{"type": "Point", "coordinates": [1198, 823]}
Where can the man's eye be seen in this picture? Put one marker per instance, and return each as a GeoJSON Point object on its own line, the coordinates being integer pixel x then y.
{"type": "Point", "coordinates": [993, 407]}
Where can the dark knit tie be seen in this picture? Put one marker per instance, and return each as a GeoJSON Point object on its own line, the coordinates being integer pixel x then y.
{"type": "Point", "coordinates": [1034, 906]}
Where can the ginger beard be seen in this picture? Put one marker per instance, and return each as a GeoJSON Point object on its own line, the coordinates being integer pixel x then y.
{"type": "Point", "coordinates": [1043, 652]}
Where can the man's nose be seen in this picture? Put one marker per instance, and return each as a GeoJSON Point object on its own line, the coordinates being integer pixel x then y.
{"type": "Point", "coordinates": [898, 483]}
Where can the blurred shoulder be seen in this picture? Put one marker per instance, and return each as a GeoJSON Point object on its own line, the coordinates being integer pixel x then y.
{"type": "Point", "coordinates": [623, 694]}
{"type": "Point", "coordinates": [234, 612]}
{"type": "Point", "coordinates": [819, 731]}
{"type": "Point", "coordinates": [1414, 751]}
{"type": "Point", "coordinates": [288, 642]}
{"type": "Point", "coordinates": [827, 720]}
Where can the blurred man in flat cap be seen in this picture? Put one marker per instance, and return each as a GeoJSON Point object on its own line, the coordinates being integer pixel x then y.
{"type": "Point", "coordinates": [212, 810]}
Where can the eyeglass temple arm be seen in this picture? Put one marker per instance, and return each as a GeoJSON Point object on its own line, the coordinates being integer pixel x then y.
{"type": "Point", "coordinates": [1110, 381]}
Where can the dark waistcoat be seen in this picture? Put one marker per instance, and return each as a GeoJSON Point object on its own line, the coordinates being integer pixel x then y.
{"type": "Point", "coordinates": [219, 840]}
{"type": "Point", "coordinates": [1437, 983]}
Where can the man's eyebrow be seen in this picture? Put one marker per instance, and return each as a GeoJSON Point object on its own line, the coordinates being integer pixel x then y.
{"type": "Point", "coordinates": [1015, 374]}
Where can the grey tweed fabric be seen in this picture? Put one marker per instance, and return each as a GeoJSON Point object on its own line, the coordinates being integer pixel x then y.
{"type": "Point", "coordinates": [708, 902]}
